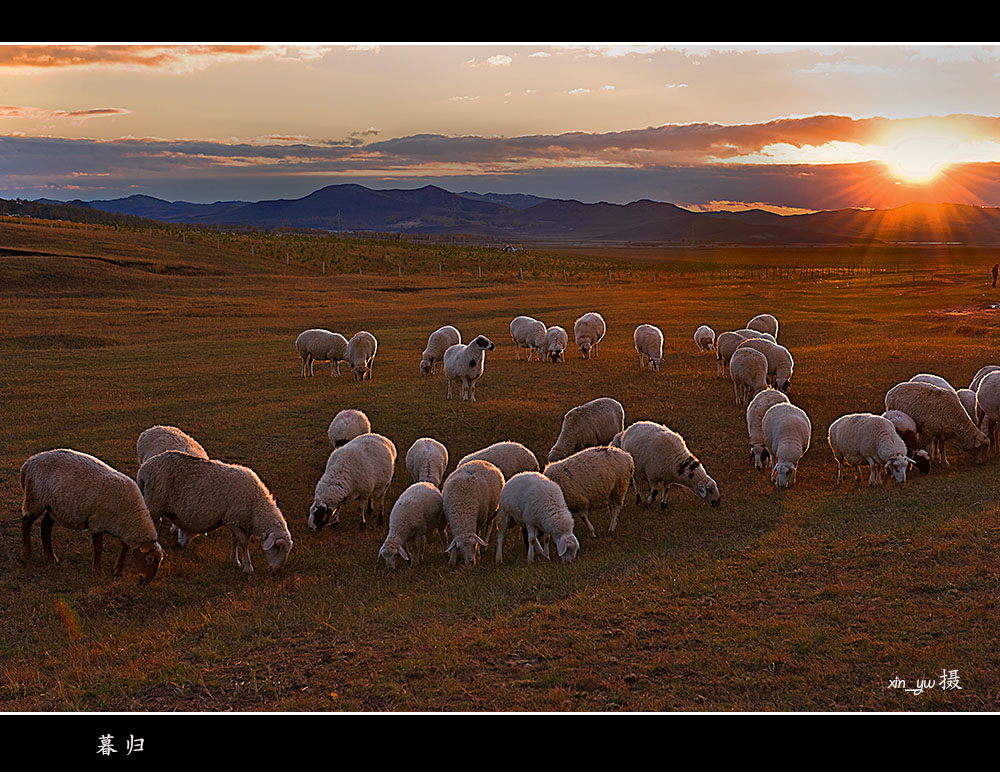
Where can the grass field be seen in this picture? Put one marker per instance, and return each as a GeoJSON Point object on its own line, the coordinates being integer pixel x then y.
{"type": "Point", "coordinates": [808, 599]}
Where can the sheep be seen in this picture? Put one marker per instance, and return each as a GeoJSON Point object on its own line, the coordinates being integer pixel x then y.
{"type": "Point", "coordinates": [939, 417]}
{"type": "Point", "coordinates": [426, 461]}
{"type": "Point", "coordinates": [725, 345]}
{"type": "Point", "coordinates": [748, 369]}
{"type": "Point", "coordinates": [471, 496]}
{"type": "Point", "coordinates": [347, 425]}
{"type": "Point", "coordinates": [556, 340]}
{"type": "Point", "coordinates": [764, 323]}
{"type": "Point", "coordinates": [987, 405]}
{"type": "Point", "coordinates": [200, 495]}
{"type": "Point", "coordinates": [359, 471]}
{"type": "Point", "coordinates": [787, 432]}
{"type": "Point", "coordinates": [906, 428]}
{"type": "Point", "coordinates": [649, 345]}
{"type": "Point", "coordinates": [590, 424]}
{"type": "Point", "coordinates": [588, 331]}
{"type": "Point", "coordinates": [432, 359]}
{"type": "Point", "coordinates": [509, 457]}
{"type": "Point", "coordinates": [980, 374]}
{"type": "Point", "coordinates": [466, 364]}
{"type": "Point", "coordinates": [77, 491]}
{"type": "Point", "coordinates": [527, 333]}
{"type": "Point", "coordinates": [864, 438]}
{"type": "Point", "coordinates": [755, 417]}
{"type": "Point", "coordinates": [536, 504]}
{"type": "Point", "coordinates": [361, 350]}
{"type": "Point", "coordinates": [747, 333]}
{"type": "Point", "coordinates": [937, 380]}
{"type": "Point", "coordinates": [662, 458]}
{"type": "Point", "coordinates": [157, 439]}
{"type": "Point", "coordinates": [779, 361]}
{"type": "Point", "coordinates": [704, 337]}
{"type": "Point", "coordinates": [323, 346]}
{"type": "Point", "coordinates": [594, 477]}
{"type": "Point", "coordinates": [419, 510]}
{"type": "Point", "coordinates": [968, 399]}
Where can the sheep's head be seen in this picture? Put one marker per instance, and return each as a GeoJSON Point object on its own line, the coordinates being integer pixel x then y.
{"type": "Point", "coordinates": [276, 546]}
{"type": "Point", "coordinates": [922, 461]}
{"type": "Point", "coordinates": [785, 385]}
{"type": "Point", "coordinates": [585, 349]}
{"type": "Point", "coordinates": [654, 364]}
{"type": "Point", "coordinates": [320, 514]}
{"type": "Point", "coordinates": [484, 343]}
{"type": "Point", "coordinates": [147, 558]}
{"type": "Point", "coordinates": [567, 545]}
{"type": "Point", "coordinates": [467, 545]}
{"type": "Point", "coordinates": [425, 367]}
{"type": "Point", "coordinates": [897, 466]}
{"type": "Point", "coordinates": [783, 474]}
{"type": "Point", "coordinates": [708, 490]}
{"type": "Point", "coordinates": [391, 553]}
{"type": "Point", "coordinates": [981, 447]}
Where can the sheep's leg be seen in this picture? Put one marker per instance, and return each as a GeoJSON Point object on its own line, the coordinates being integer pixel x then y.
{"type": "Point", "coordinates": [501, 530]}
{"type": "Point", "coordinates": [532, 541]}
{"type": "Point", "coordinates": [303, 367]}
{"type": "Point", "coordinates": [47, 523]}
{"type": "Point", "coordinates": [840, 470]}
{"type": "Point", "coordinates": [449, 388]}
{"type": "Point", "coordinates": [26, 522]}
{"type": "Point", "coordinates": [663, 496]}
{"type": "Point", "coordinates": [613, 511]}
{"type": "Point", "coordinates": [871, 471]}
{"type": "Point", "coordinates": [653, 490]}
{"type": "Point", "coordinates": [363, 507]}
{"type": "Point", "coordinates": [241, 545]}
{"type": "Point", "coordinates": [472, 392]}
{"type": "Point", "coordinates": [584, 515]}
{"type": "Point", "coordinates": [120, 564]}
{"type": "Point", "coordinates": [381, 504]}
{"type": "Point", "coordinates": [98, 541]}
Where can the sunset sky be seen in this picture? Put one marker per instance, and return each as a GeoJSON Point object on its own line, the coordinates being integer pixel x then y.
{"type": "Point", "coordinates": [706, 126]}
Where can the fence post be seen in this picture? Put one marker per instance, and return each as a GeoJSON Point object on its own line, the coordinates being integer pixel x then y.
{"type": "Point", "coordinates": [324, 266]}
{"type": "Point", "coordinates": [480, 272]}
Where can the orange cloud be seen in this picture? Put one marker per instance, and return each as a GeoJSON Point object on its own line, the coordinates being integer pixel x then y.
{"type": "Point", "coordinates": [176, 58]}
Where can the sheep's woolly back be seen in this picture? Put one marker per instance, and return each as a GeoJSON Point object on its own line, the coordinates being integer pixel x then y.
{"type": "Point", "coordinates": [466, 362]}
{"type": "Point", "coordinates": [747, 334]}
{"type": "Point", "coordinates": [347, 425]}
{"type": "Point", "coordinates": [357, 470]}
{"type": "Point", "coordinates": [588, 331]}
{"type": "Point", "coordinates": [704, 336]}
{"type": "Point", "coordinates": [968, 399]}
{"type": "Point", "coordinates": [556, 340]}
{"type": "Point", "coordinates": [987, 397]}
{"type": "Point", "coordinates": [764, 323]}
{"type": "Point", "coordinates": [982, 373]}
{"type": "Point", "coordinates": [649, 342]}
{"type": "Point", "coordinates": [593, 477]}
{"type": "Point", "coordinates": [590, 424]}
{"type": "Point", "coordinates": [157, 439]}
{"type": "Point", "coordinates": [509, 457]}
{"type": "Point", "coordinates": [725, 345]}
{"type": "Point", "coordinates": [787, 432]}
{"type": "Point", "coordinates": [748, 369]}
{"type": "Point", "coordinates": [361, 350]}
{"type": "Point", "coordinates": [936, 380]}
{"type": "Point", "coordinates": [426, 461]}
{"type": "Point", "coordinates": [437, 343]}
{"type": "Point", "coordinates": [527, 333]}
{"type": "Point", "coordinates": [938, 415]}
{"type": "Point", "coordinates": [418, 511]}
{"type": "Point", "coordinates": [858, 437]}
{"type": "Point", "coordinates": [661, 455]}
{"type": "Point", "coordinates": [756, 409]}
{"type": "Point", "coordinates": [200, 495]}
{"type": "Point", "coordinates": [779, 359]}
{"type": "Point", "coordinates": [532, 499]}
{"type": "Point", "coordinates": [322, 344]}
{"type": "Point", "coordinates": [471, 495]}
{"type": "Point", "coordinates": [84, 493]}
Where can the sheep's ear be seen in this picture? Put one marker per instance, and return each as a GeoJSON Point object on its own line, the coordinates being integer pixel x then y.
{"type": "Point", "coordinates": [402, 553]}
{"type": "Point", "coordinates": [451, 546]}
{"type": "Point", "coordinates": [268, 541]}
{"type": "Point", "coordinates": [480, 540]}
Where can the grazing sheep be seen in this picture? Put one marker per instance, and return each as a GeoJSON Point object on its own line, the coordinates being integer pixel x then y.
{"type": "Point", "coordinates": [426, 461]}
{"type": "Point", "coordinates": [936, 380]}
{"type": "Point", "coordinates": [588, 331]}
{"type": "Point", "coordinates": [77, 491]}
{"type": "Point", "coordinates": [432, 360]}
{"type": "Point", "coordinates": [662, 458]}
{"type": "Point", "coordinates": [982, 373]}
{"type": "Point", "coordinates": [939, 417]}
{"type": "Point", "coordinates": [157, 439]}
{"type": "Point", "coordinates": [556, 340]}
{"type": "Point", "coordinates": [471, 495]}
{"type": "Point", "coordinates": [906, 428]}
{"type": "Point", "coordinates": [746, 334]}
{"type": "Point", "coordinates": [725, 345]}
{"type": "Point", "coordinates": [649, 345]}
{"type": "Point", "coordinates": [347, 425]}
{"type": "Point", "coordinates": [527, 333]}
{"type": "Point", "coordinates": [588, 425]}
{"type": "Point", "coordinates": [359, 471]}
{"type": "Point", "coordinates": [594, 477]}
{"type": "Point", "coordinates": [779, 361]}
{"type": "Point", "coordinates": [361, 350]}
{"type": "Point", "coordinates": [787, 432]}
{"type": "Point", "coordinates": [864, 438]}
{"type": "Point", "coordinates": [704, 337]}
{"type": "Point", "coordinates": [968, 399]}
{"type": "Point", "coordinates": [466, 364]}
{"type": "Point", "coordinates": [536, 504]}
{"type": "Point", "coordinates": [418, 511]}
{"type": "Point", "coordinates": [200, 495]}
{"type": "Point", "coordinates": [764, 323]}
{"type": "Point", "coordinates": [509, 457]}
{"type": "Point", "coordinates": [748, 369]}
{"type": "Point", "coordinates": [755, 417]}
{"type": "Point", "coordinates": [323, 346]}
{"type": "Point", "coordinates": [987, 406]}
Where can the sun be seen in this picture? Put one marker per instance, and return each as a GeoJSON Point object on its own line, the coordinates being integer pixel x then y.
{"type": "Point", "coordinates": [918, 159]}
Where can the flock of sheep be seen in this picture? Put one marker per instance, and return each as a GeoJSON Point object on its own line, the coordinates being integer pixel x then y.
{"type": "Point", "coordinates": [591, 464]}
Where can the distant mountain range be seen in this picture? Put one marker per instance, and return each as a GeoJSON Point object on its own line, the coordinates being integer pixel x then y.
{"type": "Point", "coordinates": [523, 218]}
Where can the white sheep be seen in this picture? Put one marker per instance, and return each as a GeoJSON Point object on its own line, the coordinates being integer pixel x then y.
{"type": "Point", "coordinates": [509, 457]}
{"type": "Point", "coordinates": [764, 323]}
{"type": "Point", "coordinates": [939, 417]}
{"type": "Point", "coordinates": [77, 491]}
{"type": "Point", "coordinates": [322, 346]}
{"type": "Point", "coordinates": [704, 337]}
{"type": "Point", "coordinates": [471, 495]}
{"type": "Point", "coordinates": [594, 477]}
{"type": "Point", "coordinates": [529, 334]}
{"type": "Point", "coordinates": [987, 405]}
{"type": "Point", "coordinates": [864, 438]}
{"type": "Point", "coordinates": [649, 345]}
{"type": "Point", "coordinates": [725, 345]}
{"type": "Point", "coordinates": [906, 428]}
{"type": "Point", "coordinates": [361, 350]}
{"type": "Point", "coordinates": [588, 331]}
{"type": "Point", "coordinates": [787, 432]}
{"type": "Point", "coordinates": [347, 425]}
{"type": "Point", "coordinates": [200, 495]}
{"type": "Point", "coordinates": [779, 361]}
{"type": "Point", "coordinates": [536, 504]}
{"type": "Point", "coordinates": [662, 458]}
{"type": "Point", "coordinates": [755, 418]}
{"type": "Point", "coordinates": [936, 380]}
{"type": "Point", "coordinates": [426, 461]}
{"type": "Point", "coordinates": [432, 359]}
{"type": "Point", "coordinates": [466, 364]}
{"type": "Point", "coordinates": [418, 511]}
{"type": "Point", "coordinates": [968, 399]}
{"type": "Point", "coordinates": [982, 373]}
{"type": "Point", "coordinates": [556, 340]}
{"type": "Point", "coordinates": [748, 369]}
{"type": "Point", "coordinates": [588, 425]}
{"type": "Point", "coordinates": [359, 471]}
{"type": "Point", "coordinates": [746, 333]}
